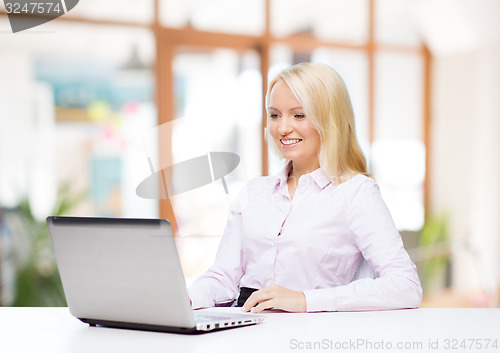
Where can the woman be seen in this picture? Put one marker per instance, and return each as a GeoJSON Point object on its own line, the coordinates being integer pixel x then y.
{"type": "Point", "coordinates": [295, 241]}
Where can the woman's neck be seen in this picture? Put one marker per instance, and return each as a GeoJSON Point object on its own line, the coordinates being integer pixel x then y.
{"type": "Point", "coordinates": [297, 170]}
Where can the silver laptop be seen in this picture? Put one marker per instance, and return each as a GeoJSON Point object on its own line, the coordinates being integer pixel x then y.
{"type": "Point", "coordinates": [126, 273]}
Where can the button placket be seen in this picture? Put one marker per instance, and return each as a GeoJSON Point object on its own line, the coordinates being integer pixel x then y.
{"type": "Point", "coordinates": [277, 238]}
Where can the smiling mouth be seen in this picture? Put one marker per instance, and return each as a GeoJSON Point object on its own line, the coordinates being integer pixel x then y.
{"type": "Point", "coordinates": [290, 142]}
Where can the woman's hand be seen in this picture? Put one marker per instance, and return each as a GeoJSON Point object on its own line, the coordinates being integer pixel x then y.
{"type": "Point", "coordinates": [275, 297]}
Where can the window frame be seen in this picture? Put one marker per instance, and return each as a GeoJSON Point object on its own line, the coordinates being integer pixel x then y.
{"type": "Point", "coordinates": [168, 40]}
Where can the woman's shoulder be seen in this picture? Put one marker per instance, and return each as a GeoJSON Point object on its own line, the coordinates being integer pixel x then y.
{"type": "Point", "coordinates": [357, 181]}
{"type": "Point", "coordinates": [361, 188]}
{"type": "Point", "coordinates": [356, 186]}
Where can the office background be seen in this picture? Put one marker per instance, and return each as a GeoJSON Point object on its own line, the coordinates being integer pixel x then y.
{"type": "Point", "coordinates": [89, 99]}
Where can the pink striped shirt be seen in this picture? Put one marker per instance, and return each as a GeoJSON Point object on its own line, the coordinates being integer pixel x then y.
{"type": "Point", "coordinates": [313, 243]}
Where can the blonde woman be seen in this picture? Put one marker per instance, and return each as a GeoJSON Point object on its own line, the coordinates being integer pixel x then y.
{"type": "Point", "coordinates": [297, 241]}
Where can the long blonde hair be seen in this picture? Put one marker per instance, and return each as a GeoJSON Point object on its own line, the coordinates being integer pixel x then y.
{"type": "Point", "coordinates": [327, 105]}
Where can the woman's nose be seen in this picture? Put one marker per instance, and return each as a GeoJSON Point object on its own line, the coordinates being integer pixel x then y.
{"type": "Point", "coordinates": [285, 126]}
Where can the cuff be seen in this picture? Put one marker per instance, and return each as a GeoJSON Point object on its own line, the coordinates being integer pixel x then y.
{"type": "Point", "coordinates": [320, 300]}
{"type": "Point", "coordinates": [198, 301]}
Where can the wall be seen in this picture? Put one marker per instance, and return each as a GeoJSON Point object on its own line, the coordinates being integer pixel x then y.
{"type": "Point", "coordinates": [465, 180]}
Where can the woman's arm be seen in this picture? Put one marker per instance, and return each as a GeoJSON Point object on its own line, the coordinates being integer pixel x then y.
{"type": "Point", "coordinates": [396, 285]}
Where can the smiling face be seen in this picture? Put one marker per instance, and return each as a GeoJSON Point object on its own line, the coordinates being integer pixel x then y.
{"type": "Point", "coordinates": [292, 132]}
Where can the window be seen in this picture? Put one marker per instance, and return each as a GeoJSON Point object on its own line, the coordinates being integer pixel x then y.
{"type": "Point", "coordinates": [91, 90]}
{"type": "Point", "coordinates": [109, 73]}
{"type": "Point", "coordinates": [223, 16]}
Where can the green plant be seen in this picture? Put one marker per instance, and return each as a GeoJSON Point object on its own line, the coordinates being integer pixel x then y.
{"type": "Point", "coordinates": [37, 278]}
{"type": "Point", "coordinates": [434, 241]}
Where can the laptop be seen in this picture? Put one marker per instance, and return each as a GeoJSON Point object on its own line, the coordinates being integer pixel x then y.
{"type": "Point", "coordinates": [126, 273]}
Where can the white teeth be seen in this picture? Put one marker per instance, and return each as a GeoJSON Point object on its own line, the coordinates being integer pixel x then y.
{"type": "Point", "coordinates": [290, 142]}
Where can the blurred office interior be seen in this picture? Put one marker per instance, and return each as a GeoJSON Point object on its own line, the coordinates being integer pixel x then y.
{"type": "Point", "coordinates": [94, 102]}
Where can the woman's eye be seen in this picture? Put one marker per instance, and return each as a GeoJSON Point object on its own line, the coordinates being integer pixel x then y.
{"type": "Point", "coordinates": [273, 116]}
{"type": "Point", "coordinates": [300, 116]}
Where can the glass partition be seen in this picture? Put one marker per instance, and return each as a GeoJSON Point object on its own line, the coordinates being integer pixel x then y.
{"type": "Point", "coordinates": [331, 20]}
{"type": "Point", "coordinates": [73, 117]}
{"type": "Point", "coordinates": [218, 109]}
{"type": "Point", "coordinates": [398, 150]}
{"type": "Point", "coordinates": [396, 23]}
{"type": "Point", "coordinates": [224, 16]}
{"type": "Point", "coordinates": [129, 11]}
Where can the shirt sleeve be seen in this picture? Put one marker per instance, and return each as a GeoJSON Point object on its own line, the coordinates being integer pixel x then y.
{"type": "Point", "coordinates": [396, 284]}
{"type": "Point", "coordinates": [220, 283]}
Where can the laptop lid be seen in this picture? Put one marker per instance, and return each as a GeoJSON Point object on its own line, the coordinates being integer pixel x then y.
{"type": "Point", "coordinates": [121, 270]}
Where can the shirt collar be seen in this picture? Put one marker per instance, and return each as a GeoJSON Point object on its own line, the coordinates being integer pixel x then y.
{"type": "Point", "coordinates": [318, 176]}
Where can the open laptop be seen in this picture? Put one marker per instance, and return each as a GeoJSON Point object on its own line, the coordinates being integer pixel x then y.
{"type": "Point", "coordinates": [126, 273]}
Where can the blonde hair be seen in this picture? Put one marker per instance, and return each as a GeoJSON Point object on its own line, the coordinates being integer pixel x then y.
{"type": "Point", "coordinates": [327, 105]}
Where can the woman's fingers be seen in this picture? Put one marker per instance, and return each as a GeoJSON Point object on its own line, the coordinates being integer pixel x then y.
{"type": "Point", "coordinates": [275, 297]}
{"type": "Point", "coordinates": [256, 298]}
{"type": "Point", "coordinates": [268, 304]}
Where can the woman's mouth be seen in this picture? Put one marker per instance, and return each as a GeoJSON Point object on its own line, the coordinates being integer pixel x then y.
{"type": "Point", "coordinates": [290, 142]}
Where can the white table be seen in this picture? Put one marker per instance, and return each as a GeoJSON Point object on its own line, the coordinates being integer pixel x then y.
{"type": "Point", "coordinates": [54, 330]}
